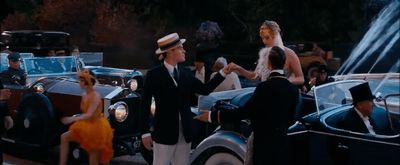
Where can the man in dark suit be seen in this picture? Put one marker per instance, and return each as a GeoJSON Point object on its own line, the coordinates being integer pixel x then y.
{"type": "Point", "coordinates": [358, 118]}
{"type": "Point", "coordinates": [6, 121]}
{"type": "Point", "coordinates": [271, 111]}
{"type": "Point", "coordinates": [171, 86]}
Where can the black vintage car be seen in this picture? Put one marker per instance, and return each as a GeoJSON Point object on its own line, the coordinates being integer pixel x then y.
{"type": "Point", "coordinates": [50, 94]}
{"type": "Point", "coordinates": [38, 42]}
{"type": "Point", "coordinates": [315, 137]}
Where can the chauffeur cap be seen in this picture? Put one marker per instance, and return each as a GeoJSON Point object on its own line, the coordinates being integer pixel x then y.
{"type": "Point", "coordinates": [360, 93]}
{"type": "Point", "coordinates": [14, 57]}
{"type": "Point", "coordinates": [168, 42]}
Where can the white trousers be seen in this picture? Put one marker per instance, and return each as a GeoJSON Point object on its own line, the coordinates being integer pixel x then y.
{"type": "Point", "coordinates": [177, 154]}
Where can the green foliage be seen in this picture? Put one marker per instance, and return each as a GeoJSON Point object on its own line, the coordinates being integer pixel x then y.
{"type": "Point", "coordinates": [316, 20]}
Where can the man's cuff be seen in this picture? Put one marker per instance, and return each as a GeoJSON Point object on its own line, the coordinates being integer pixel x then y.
{"type": "Point", "coordinates": [214, 116]}
{"type": "Point", "coordinates": [209, 117]}
{"type": "Point", "coordinates": [222, 73]}
{"type": "Point", "coordinates": [146, 135]}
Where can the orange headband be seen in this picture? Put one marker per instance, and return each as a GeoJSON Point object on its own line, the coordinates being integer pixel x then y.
{"type": "Point", "coordinates": [86, 76]}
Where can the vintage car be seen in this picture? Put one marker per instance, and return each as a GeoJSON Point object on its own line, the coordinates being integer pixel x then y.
{"type": "Point", "coordinates": [315, 137]}
{"type": "Point", "coordinates": [311, 56]}
{"type": "Point", "coordinates": [38, 42]}
{"type": "Point", "coordinates": [50, 94]}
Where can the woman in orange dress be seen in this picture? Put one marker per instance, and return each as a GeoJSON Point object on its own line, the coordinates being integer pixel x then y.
{"type": "Point", "coordinates": [90, 129]}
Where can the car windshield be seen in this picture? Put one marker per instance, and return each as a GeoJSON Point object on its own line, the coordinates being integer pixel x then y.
{"type": "Point", "coordinates": [337, 93]}
{"type": "Point", "coordinates": [334, 94]}
{"type": "Point", "coordinates": [41, 66]}
{"type": "Point", "coordinates": [4, 60]}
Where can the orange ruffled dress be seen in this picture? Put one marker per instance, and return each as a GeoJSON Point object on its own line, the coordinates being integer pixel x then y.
{"type": "Point", "coordinates": [94, 133]}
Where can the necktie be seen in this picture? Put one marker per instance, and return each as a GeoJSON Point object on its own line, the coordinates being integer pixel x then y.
{"type": "Point", "coordinates": [175, 74]}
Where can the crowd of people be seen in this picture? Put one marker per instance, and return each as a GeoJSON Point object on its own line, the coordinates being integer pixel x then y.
{"type": "Point", "coordinates": [173, 87]}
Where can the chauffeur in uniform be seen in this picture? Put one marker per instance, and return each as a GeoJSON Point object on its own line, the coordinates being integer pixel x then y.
{"type": "Point", "coordinates": [171, 85]}
{"type": "Point", "coordinates": [14, 75]}
{"type": "Point", "coordinates": [271, 110]}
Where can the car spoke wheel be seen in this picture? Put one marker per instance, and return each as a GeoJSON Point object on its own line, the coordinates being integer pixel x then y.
{"type": "Point", "coordinates": [223, 158]}
{"type": "Point", "coordinates": [35, 118]}
{"type": "Point", "coordinates": [76, 154]}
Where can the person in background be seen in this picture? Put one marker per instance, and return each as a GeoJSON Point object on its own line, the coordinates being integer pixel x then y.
{"type": "Point", "coordinates": [322, 77]}
{"type": "Point", "coordinates": [200, 71]}
{"type": "Point", "coordinates": [6, 122]}
{"type": "Point", "coordinates": [208, 37]}
{"type": "Point", "coordinates": [51, 53]}
{"type": "Point", "coordinates": [271, 111]}
{"type": "Point", "coordinates": [14, 75]}
{"type": "Point", "coordinates": [76, 53]}
{"type": "Point", "coordinates": [231, 80]}
{"type": "Point", "coordinates": [90, 129]}
{"type": "Point", "coordinates": [171, 85]}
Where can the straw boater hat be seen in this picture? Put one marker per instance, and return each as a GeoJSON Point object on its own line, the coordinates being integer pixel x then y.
{"type": "Point", "coordinates": [168, 42]}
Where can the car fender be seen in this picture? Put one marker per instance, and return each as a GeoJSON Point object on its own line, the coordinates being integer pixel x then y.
{"type": "Point", "coordinates": [225, 139]}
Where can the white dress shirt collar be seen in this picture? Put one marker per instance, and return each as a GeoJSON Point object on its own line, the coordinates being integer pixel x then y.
{"type": "Point", "coordinates": [170, 68]}
{"type": "Point", "coordinates": [280, 71]}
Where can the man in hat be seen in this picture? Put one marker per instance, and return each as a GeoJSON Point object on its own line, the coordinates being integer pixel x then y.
{"type": "Point", "coordinates": [171, 86]}
{"type": "Point", "coordinates": [14, 75]}
{"type": "Point", "coordinates": [358, 118]}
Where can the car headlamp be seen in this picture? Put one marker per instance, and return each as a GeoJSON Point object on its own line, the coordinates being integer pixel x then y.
{"type": "Point", "coordinates": [119, 110]}
{"type": "Point", "coordinates": [39, 88]}
{"type": "Point", "coordinates": [133, 84]}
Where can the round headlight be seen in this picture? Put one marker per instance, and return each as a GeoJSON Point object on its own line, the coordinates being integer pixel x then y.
{"type": "Point", "coordinates": [39, 88]}
{"type": "Point", "coordinates": [133, 84]}
{"type": "Point", "coordinates": [119, 110]}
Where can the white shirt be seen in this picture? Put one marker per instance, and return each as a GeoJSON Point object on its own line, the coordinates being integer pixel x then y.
{"type": "Point", "coordinates": [366, 122]}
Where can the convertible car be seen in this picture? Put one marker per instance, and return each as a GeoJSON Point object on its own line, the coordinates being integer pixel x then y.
{"type": "Point", "coordinates": [315, 138]}
{"type": "Point", "coordinates": [52, 92]}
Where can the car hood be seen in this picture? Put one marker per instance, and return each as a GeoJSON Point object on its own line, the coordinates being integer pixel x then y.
{"type": "Point", "coordinates": [70, 86]}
